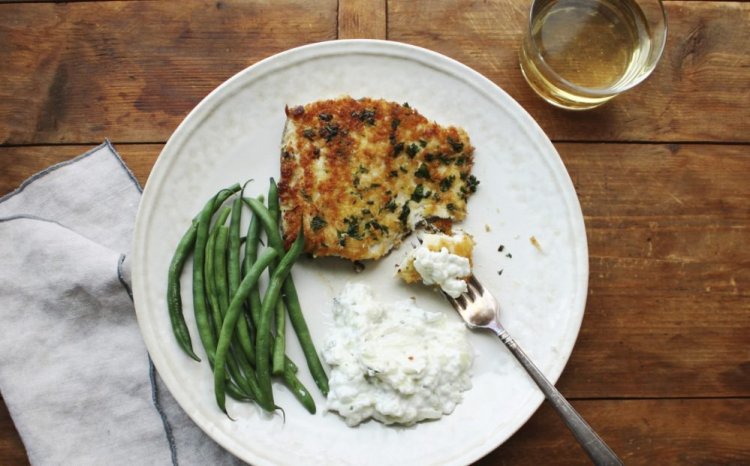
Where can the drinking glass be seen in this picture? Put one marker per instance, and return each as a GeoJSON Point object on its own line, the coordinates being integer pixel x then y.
{"type": "Point", "coordinates": [578, 54]}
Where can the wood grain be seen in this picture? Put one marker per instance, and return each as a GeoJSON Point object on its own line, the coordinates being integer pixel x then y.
{"type": "Point", "coordinates": [669, 294]}
{"type": "Point", "coordinates": [85, 71]}
{"type": "Point", "coordinates": [362, 19]}
{"type": "Point", "coordinates": [641, 432]}
{"type": "Point", "coordinates": [157, 73]}
{"type": "Point", "coordinates": [12, 451]}
{"type": "Point", "coordinates": [19, 163]}
{"type": "Point", "coordinates": [661, 367]}
{"type": "Point", "coordinates": [698, 92]}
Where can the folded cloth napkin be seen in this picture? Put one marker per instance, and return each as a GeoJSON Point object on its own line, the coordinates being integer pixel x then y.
{"type": "Point", "coordinates": [74, 371]}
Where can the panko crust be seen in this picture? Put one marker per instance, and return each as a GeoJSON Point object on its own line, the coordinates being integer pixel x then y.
{"type": "Point", "coordinates": [359, 175]}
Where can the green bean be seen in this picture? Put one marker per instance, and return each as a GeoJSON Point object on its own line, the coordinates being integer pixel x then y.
{"type": "Point", "coordinates": [234, 277]}
{"type": "Point", "coordinates": [220, 268]}
{"type": "Point", "coordinates": [239, 367]}
{"type": "Point", "coordinates": [212, 298]}
{"type": "Point", "coordinates": [291, 299]}
{"type": "Point", "coordinates": [279, 343]}
{"type": "Point", "coordinates": [220, 285]}
{"type": "Point", "coordinates": [174, 298]}
{"type": "Point", "coordinates": [251, 250]}
{"type": "Point", "coordinates": [262, 347]}
{"type": "Point", "coordinates": [228, 327]}
{"type": "Point", "coordinates": [199, 291]}
{"type": "Point", "coordinates": [245, 340]}
{"type": "Point", "coordinates": [305, 338]}
{"type": "Point", "coordinates": [273, 200]}
{"type": "Point", "coordinates": [251, 254]}
{"type": "Point", "coordinates": [233, 251]}
{"type": "Point", "coordinates": [270, 226]}
{"type": "Point", "coordinates": [242, 373]}
{"type": "Point", "coordinates": [212, 290]}
{"type": "Point", "coordinates": [299, 390]}
{"type": "Point", "coordinates": [235, 392]}
{"type": "Point", "coordinates": [217, 315]}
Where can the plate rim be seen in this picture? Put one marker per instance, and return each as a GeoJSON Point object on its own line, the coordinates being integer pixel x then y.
{"type": "Point", "coordinates": [425, 57]}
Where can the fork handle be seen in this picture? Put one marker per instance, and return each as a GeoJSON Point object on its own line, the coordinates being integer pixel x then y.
{"type": "Point", "coordinates": [598, 451]}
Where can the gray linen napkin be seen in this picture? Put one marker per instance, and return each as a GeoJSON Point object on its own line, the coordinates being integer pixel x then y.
{"type": "Point", "coordinates": [74, 371]}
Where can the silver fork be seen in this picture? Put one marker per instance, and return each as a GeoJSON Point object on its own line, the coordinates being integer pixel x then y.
{"type": "Point", "coordinates": [480, 309]}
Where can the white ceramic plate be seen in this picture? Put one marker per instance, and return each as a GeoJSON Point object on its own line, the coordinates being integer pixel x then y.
{"type": "Point", "coordinates": [234, 134]}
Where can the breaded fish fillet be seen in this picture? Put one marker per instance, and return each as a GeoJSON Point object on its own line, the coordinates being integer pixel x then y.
{"type": "Point", "coordinates": [359, 175]}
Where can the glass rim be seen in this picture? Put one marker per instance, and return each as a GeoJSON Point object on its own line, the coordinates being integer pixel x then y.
{"type": "Point", "coordinates": [594, 92]}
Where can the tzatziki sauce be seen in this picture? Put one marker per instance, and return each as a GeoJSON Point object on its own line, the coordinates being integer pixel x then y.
{"type": "Point", "coordinates": [442, 268]}
{"type": "Point", "coordinates": [394, 362]}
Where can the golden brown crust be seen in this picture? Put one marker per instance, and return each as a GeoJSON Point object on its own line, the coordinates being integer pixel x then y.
{"type": "Point", "coordinates": [358, 175]}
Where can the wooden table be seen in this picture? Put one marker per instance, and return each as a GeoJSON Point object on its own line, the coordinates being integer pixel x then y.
{"type": "Point", "coordinates": [662, 364]}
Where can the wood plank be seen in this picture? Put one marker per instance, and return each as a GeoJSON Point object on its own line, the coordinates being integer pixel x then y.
{"type": "Point", "coordinates": [667, 230]}
{"type": "Point", "coordinates": [668, 306]}
{"type": "Point", "coordinates": [698, 92]}
{"type": "Point", "coordinates": [85, 71]}
{"type": "Point", "coordinates": [663, 431]}
{"type": "Point", "coordinates": [19, 163]}
{"type": "Point", "coordinates": [641, 432]}
{"type": "Point", "coordinates": [12, 451]}
{"type": "Point", "coordinates": [362, 19]}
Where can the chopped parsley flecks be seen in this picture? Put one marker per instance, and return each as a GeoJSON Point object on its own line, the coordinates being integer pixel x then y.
{"type": "Point", "coordinates": [329, 131]}
{"type": "Point", "coordinates": [418, 193]}
{"type": "Point", "coordinates": [469, 186]}
{"type": "Point", "coordinates": [457, 146]}
{"type": "Point", "coordinates": [444, 159]}
{"type": "Point", "coordinates": [412, 149]}
{"type": "Point", "coordinates": [404, 215]}
{"type": "Point", "coordinates": [398, 148]}
{"type": "Point", "coordinates": [374, 225]}
{"type": "Point", "coordinates": [423, 172]}
{"type": "Point", "coordinates": [352, 229]}
{"type": "Point", "coordinates": [390, 206]}
{"type": "Point", "coordinates": [447, 182]}
{"type": "Point", "coordinates": [317, 223]}
{"type": "Point", "coordinates": [366, 116]}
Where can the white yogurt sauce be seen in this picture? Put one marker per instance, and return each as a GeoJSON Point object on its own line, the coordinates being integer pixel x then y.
{"type": "Point", "coordinates": [442, 268]}
{"type": "Point", "coordinates": [394, 362]}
